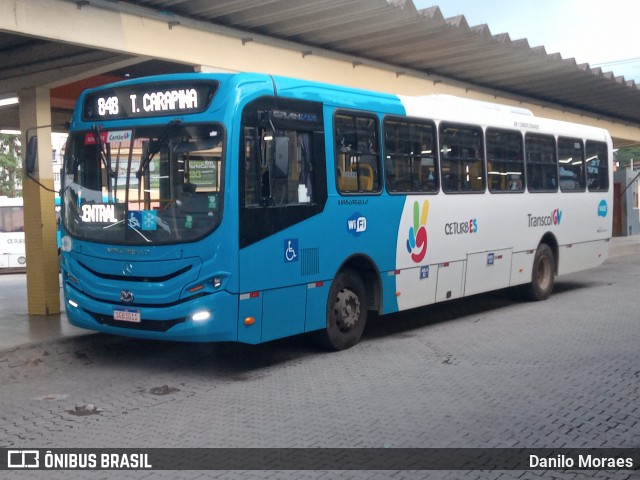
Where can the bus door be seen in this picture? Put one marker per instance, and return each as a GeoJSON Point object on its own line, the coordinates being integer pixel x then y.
{"type": "Point", "coordinates": [282, 187]}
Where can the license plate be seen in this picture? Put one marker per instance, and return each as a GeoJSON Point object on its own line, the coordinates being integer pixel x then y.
{"type": "Point", "coordinates": [127, 315]}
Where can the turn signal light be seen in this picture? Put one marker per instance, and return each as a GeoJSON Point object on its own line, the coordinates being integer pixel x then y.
{"type": "Point", "coordinates": [249, 321]}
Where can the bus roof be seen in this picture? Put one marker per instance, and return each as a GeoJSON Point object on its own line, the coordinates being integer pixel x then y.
{"type": "Point", "coordinates": [435, 107]}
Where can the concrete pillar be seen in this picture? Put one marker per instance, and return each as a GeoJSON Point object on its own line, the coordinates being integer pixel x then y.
{"type": "Point", "coordinates": [43, 286]}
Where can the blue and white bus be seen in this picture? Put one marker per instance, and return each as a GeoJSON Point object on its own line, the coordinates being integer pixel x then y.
{"type": "Point", "coordinates": [247, 207]}
{"type": "Point", "coordinates": [12, 246]}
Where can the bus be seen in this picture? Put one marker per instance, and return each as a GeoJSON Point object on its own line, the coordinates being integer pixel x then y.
{"type": "Point", "coordinates": [12, 253]}
{"type": "Point", "coordinates": [248, 207]}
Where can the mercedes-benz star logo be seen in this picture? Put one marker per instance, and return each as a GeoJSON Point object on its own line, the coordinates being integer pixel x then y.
{"type": "Point", "coordinates": [126, 296]}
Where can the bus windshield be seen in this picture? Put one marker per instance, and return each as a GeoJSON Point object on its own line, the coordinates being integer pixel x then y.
{"type": "Point", "coordinates": [144, 185]}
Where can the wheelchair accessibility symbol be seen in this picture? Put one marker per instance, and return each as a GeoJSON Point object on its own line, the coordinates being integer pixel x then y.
{"type": "Point", "coordinates": [291, 250]}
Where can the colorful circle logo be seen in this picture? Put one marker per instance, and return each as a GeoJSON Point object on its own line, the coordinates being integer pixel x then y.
{"type": "Point", "coordinates": [417, 240]}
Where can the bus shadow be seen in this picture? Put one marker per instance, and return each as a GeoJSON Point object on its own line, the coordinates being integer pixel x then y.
{"type": "Point", "coordinates": [422, 317]}
{"type": "Point", "coordinates": [470, 308]}
{"type": "Point", "coordinates": [233, 361]}
{"type": "Point", "coordinates": [240, 362]}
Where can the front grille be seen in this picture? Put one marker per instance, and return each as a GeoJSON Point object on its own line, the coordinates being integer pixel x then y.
{"type": "Point", "coordinates": [146, 279]}
{"type": "Point", "coordinates": [139, 305]}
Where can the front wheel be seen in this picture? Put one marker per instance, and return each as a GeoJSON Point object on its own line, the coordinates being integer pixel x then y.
{"type": "Point", "coordinates": [346, 311]}
{"type": "Point", "coordinates": [543, 274]}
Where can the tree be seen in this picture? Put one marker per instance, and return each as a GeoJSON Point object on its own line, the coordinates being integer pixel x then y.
{"type": "Point", "coordinates": [625, 156]}
{"type": "Point", "coordinates": [10, 164]}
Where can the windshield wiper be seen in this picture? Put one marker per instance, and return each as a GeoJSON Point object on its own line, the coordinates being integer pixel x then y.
{"type": "Point", "coordinates": [104, 157]}
{"type": "Point", "coordinates": [156, 146]}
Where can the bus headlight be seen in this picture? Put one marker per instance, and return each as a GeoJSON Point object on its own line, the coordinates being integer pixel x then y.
{"type": "Point", "coordinates": [66, 243]}
{"type": "Point", "coordinates": [201, 316]}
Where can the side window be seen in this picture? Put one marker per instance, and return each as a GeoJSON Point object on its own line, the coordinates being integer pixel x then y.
{"type": "Point", "coordinates": [410, 156]}
{"type": "Point", "coordinates": [542, 166]}
{"type": "Point", "coordinates": [357, 151]}
{"type": "Point", "coordinates": [571, 163]}
{"type": "Point", "coordinates": [505, 160]}
{"type": "Point", "coordinates": [11, 219]}
{"type": "Point", "coordinates": [461, 158]}
{"type": "Point", "coordinates": [597, 166]}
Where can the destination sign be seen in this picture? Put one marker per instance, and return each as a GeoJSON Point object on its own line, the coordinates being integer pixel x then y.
{"type": "Point", "coordinates": [149, 100]}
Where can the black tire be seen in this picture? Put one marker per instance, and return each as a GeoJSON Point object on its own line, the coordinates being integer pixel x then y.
{"type": "Point", "coordinates": [346, 312]}
{"type": "Point", "coordinates": [542, 274]}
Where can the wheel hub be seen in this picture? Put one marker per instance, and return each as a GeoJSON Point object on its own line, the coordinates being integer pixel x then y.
{"type": "Point", "coordinates": [347, 308]}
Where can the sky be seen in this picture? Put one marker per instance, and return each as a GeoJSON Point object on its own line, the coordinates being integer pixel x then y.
{"type": "Point", "coordinates": [602, 33]}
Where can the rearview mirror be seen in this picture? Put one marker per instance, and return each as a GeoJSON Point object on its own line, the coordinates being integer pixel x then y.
{"type": "Point", "coordinates": [282, 157]}
{"type": "Point", "coordinates": [31, 155]}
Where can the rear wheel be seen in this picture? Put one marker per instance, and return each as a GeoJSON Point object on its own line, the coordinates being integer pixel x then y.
{"type": "Point", "coordinates": [346, 311]}
{"type": "Point", "coordinates": [543, 274]}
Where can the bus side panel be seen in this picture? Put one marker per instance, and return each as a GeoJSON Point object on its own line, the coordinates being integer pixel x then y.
{"type": "Point", "coordinates": [521, 267]}
{"type": "Point", "coordinates": [390, 292]}
{"type": "Point", "coordinates": [316, 306]}
{"type": "Point", "coordinates": [487, 271]}
{"type": "Point", "coordinates": [285, 310]}
{"type": "Point", "coordinates": [450, 281]}
{"type": "Point", "coordinates": [417, 286]}
{"type": "Point", "coordinates": [250, 318]}
{"type": "Point", "coordinates": [582, 256]}
{"type": "Point", "coordinates": [17, 261]}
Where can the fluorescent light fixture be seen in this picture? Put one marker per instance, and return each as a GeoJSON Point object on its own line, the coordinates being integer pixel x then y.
{"type": "Point", "coordinates": [10, 132]}
{"type": "Point", "coordinates": [8, 101]}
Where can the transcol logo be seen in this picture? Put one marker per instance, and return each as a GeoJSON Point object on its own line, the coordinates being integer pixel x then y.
{"type": "Point", "coordinates": [417, 239]}
{"type": "Point", "coordinates": [545, 220]}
